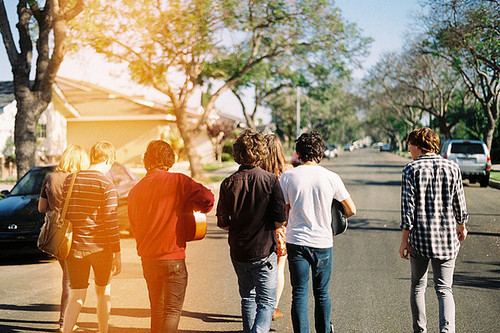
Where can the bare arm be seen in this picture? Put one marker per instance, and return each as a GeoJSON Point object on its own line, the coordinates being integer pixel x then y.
{"type": "Point", "coordinates": [43, 205]}
{"type": "Point", "coordinates": [349, 207]}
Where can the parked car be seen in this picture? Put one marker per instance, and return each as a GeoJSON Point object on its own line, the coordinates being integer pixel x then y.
{"type": "Point", "coordinates": [331, 151]}
{"type": "Point", "coordinates": [349, 147]}
{"type": "Point", "coordinates": [472, 157]}
{"type": "Point", "coordinates": [20, 220]}
{"type": "Point", "coordinates": [385, 147]}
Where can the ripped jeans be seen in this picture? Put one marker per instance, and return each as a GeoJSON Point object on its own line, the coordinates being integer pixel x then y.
{"type": "Point", "coordinates": [301, 261]}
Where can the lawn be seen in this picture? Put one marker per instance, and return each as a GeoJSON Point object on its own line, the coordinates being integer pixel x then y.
{"type": "Point", "coordinates": [495, 175]}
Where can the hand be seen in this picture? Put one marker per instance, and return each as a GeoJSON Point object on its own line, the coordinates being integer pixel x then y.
{"type": "Point", "coordinates": [116, 267]}
{"type": "Point", "coordinates": [404, 250]}
{"type": "Point", "coordinates": [462, 232]}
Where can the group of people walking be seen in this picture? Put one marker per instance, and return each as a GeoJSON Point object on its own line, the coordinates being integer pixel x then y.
{"type": "Point", "coordinates": [272, 212]}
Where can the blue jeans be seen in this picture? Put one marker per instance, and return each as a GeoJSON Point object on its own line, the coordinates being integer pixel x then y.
{"type": "Point", "coordinates": [167, 282]}
{"type": "Point", "coordinates": [443, 280]}
{"type": "Point", "coordinates": [301, 260]}
{"type": "Point", "coordinates": [257, 281]}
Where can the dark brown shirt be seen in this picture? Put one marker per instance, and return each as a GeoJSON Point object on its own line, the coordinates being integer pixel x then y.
{"type": "Point", "coordinates": [250, 201]}
{"type": "Point", "coordinates": [52, 189]}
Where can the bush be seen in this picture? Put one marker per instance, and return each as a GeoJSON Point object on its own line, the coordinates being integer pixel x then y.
{"type": "Point", "coordinates": [227, 148]}
{"type": "Point", "coordinates": [225, 157]}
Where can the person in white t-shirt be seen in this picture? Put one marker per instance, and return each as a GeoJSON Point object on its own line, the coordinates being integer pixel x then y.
{"type": "Point", "coordinates": [309, 190]}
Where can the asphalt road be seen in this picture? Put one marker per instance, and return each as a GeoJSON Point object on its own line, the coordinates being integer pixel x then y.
{"type": "Point", "coordinates": [370, 286]}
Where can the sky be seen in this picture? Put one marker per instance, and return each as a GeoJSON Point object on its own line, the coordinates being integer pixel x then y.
{"type": "Point", "coordinates": [383, 20]}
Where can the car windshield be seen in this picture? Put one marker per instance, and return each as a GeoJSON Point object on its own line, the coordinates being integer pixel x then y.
{"type": "Point", "coordinates": [467, 148]}
{"type": "Point", "coordinates": [31, 183]}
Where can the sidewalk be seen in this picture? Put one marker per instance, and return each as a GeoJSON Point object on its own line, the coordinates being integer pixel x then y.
{"type": "Point", "coordinates": [495, 183]}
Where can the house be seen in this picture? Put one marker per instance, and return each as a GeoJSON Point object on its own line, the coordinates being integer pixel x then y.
{"type": "Point", "coordinates": [83, 113]}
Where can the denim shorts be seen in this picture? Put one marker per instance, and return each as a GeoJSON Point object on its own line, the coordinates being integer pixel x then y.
{"type": "Point", "coordinates": [79, 263]}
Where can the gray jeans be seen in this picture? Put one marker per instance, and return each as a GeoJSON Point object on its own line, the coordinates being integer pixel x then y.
{"type": "Point", "coordinates": [443, 279]}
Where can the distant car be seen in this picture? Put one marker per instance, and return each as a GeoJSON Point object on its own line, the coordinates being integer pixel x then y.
{"type": "Point", "coordinates": [472, 157]}
{"type": "Point", "coordinates": [385, 147]}
{"type": "Point", "coordinates": [20, 221]}
{"type": "Point", "coordinates": [349, 147]}
{"type": "Point", "coordinates": [331, 151]}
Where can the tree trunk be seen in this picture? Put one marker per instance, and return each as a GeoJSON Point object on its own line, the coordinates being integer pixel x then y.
{"type": "Point", "coordinates": [444, 128]}
{"type": "Point", "coordinates": [188, 136]}
{"type": "Point", "coordinates": [28, 113]}
{"type": "Point", "coordinates": [489, 130]}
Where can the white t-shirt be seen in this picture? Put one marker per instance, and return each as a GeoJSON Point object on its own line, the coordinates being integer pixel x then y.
{"type": "Point", "coordinates": [309, 190]}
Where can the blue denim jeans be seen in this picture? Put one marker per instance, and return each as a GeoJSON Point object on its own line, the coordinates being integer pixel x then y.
{"type": "Point", "coordinates": [257, 281]}
{"type": "Point", "coordinates": [167, 282]}
{"type": "Point", "coordinates": [443, 280]}
{"type": "Point", "coordinates": [302, 260]}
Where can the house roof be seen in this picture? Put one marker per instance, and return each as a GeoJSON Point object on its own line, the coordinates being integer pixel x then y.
{"type": "Point", "coordinates": [6, 93]}
{"type": "Point", "coordinates": [86, 101]}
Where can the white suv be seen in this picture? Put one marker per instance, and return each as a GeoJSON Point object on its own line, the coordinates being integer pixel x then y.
{"type": "Point", "coordinates": [472, 157]}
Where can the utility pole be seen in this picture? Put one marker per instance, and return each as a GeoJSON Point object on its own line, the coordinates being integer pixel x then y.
{"type": "Point", "coordinates": [297, 131]}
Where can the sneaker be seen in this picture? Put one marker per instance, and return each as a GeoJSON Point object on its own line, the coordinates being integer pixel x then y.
{"type": "Point", "coordinates": [332, 329]}
{"type": "Point", "coordinates": [277, 314]}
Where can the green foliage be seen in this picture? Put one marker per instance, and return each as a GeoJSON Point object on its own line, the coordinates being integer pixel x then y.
{"type": "Point", "coordinates": [225, 157]}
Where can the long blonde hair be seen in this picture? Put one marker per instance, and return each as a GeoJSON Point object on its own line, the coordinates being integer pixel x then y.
{"type": "Point", "coordinates": [73, 159]}
{"type": "Point", "coordinates": [275, 161]}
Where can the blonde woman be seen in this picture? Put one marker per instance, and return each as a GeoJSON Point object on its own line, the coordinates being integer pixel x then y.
{"type": "Point", "coordinates": [73, 159]}
{"type": "Point", "coordinates": [276, 163]}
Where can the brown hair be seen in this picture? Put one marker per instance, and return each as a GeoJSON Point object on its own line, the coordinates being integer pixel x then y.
{"type": "Point", "coordinates": [250, 148]}
{"type": "Point", "coordinates": [425, 139]}
{"type": "Point", "coordinates": [310, 146]}
{"type": "Point", "coordinates": [102, 151]}
{"type": "Point", "coordinates": [73, 159]}
{"type": "Point", "coordinates": [159, 155]}
{"type": "Point", "coordinates": [275, 160]}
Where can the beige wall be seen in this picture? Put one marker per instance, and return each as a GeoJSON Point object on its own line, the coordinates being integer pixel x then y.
{"type": "Point", "coordinates": [130, 138]}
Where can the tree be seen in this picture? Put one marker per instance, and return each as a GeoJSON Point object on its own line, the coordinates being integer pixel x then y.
{"type": "Point", "coordinates": [169, 45]}
{"type": "Point", "coordinates": [280, 41]}
{"type": "Point", "coordinates": [219, 131]}
{"type": "Point", "coordinates": [165, 45]}
{"type": "Point", "coordinates": [49, 24]}
{"type": "Point", "coordinates": [466, 34]}
{"type": "Point", "coordinates": [390, 103]}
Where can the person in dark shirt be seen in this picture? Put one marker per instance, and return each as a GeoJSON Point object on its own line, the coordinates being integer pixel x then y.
{"type": "Point", "coordinates": [159, 207]}
{"type": "Point", "coordinates": [251, 207]}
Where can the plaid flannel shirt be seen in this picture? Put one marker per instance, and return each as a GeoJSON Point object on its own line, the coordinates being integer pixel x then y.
{"type": "Point", "coordinates": [432, 204]}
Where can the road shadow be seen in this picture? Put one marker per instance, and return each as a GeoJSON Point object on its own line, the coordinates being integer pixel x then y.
{"type": "Point", "coordinates": [18, 325]}
{"type": "Point", "coordinates": [483, 282]}
{"type": "Point", "coordinates": [24, 256]}
{"type": "Point", "coordinates": [31, 307]}
{"type": "Point", "coordinates": [125, 312]}
{"type": "Point", "coordinates": [374, 183]}
{"type": "Point", "coordinates": [216, 234]}
{"type": "Point", "coordinates": [370, 224]}
{"type": "Point", "coordinates": [212, 317]}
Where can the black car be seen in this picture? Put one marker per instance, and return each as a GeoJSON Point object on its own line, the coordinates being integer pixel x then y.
{"type": "Point", "coordinates": [20, 220]}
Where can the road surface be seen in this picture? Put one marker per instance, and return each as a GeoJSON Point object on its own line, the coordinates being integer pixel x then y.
{"type": "Point", "coordinates": [370, 286]}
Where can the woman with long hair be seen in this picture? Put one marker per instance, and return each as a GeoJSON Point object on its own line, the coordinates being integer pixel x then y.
{"type": "Point", "coordinates": [73, 159]}
{"type": "Point", "coordinates": [275, 162]}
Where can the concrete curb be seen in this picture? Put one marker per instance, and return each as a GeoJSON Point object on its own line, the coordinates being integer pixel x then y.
{"type": "Point", "coordinates": [494, 184]}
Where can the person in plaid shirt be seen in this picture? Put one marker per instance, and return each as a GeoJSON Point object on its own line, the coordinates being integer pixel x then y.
{"type": "Point", "coordinates": [433, 218]}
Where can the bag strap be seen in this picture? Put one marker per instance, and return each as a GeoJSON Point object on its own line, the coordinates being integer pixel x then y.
{"type": "Point", "coordinates": [66, 203]}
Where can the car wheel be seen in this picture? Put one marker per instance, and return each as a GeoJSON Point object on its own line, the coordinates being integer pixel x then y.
{"type": "Point", "coordinates": [484, 181]}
